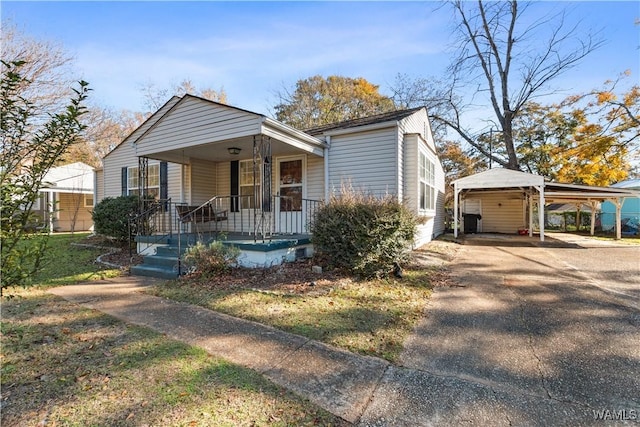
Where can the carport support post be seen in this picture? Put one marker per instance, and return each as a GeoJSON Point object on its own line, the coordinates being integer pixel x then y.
{"type": "Point", "coordinates": [456, 192]}
{"type": "Point", "coordinates": [618, 202]}
{"type": "Point", "coordinates": [594, 205]}
{"type": "Point", "coordinates": [530, 200]}
{"type": "Point", "coordinates": [541, 211]}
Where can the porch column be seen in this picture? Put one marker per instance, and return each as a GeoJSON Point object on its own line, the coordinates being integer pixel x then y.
{"type": "Point", "coordinates": [578, 206]}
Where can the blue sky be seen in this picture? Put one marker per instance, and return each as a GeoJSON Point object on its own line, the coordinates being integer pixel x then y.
{"type": "Point", "coordinates": [254, 49]}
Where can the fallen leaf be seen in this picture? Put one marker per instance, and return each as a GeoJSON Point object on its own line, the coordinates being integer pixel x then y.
{"type": "Point", "coordinates": [131, 415]}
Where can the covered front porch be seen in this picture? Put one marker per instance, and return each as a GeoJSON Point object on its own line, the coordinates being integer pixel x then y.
{"type": "Point", "coordinates": [228, 174]}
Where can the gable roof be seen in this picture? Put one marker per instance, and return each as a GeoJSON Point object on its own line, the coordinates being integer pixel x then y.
{"type": "Point", "coordinates": [73, 178]}
{"type": "Point", "coordinates": [151, 120]}
{"type": "Point", "coordinates": [391, 116]}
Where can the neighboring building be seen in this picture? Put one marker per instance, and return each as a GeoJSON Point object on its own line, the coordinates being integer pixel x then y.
{"type": "Point", "coordinates": [66, 198]}
{"type": "Point", "coordinates": [630, 211]}
{"type": "Point", "coordinates": [265, 178]}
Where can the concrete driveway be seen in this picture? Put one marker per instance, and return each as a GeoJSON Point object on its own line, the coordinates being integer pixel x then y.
{"type": "Point", "coordinates": [529, 334]}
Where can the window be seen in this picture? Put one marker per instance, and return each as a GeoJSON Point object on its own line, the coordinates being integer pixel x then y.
{"type": "Point", "coordinates": [36, 203]}
{"type": "Point", "coordinates": [247, 188]}
{"type": "Point", "coordinates": [153, 186]}
{"type": "Point", "coordinates": [88, 200]}
{"type": "Point", "coordinates": [427, 183]}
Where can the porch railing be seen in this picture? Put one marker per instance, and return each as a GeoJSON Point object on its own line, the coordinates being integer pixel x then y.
{"type": "Point", "coordinates": [281, 215]}
{"type": "Point", "coordinates": [154, 221]}
{"type": "Point", "coordinates": [243, 215]}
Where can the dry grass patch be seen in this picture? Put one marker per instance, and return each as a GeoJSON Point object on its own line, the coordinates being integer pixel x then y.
{"type": "Point", "coordinates": [371, 317]}
{"type": "Point", "coordinates": [64, 365]}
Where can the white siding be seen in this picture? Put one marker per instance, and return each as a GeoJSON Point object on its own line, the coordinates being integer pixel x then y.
{"type": "Point", "coordinates": [433, 224]}
{"type": "Point", "coordinates": [315, 177]}
{"type": "Point", "coordinates": [366, 161]}
{"type": "Point", "coordinates": [438, 220]}
{"type": "Point", "coordinates": [98, 193]}
{"type": "Point", "coordinates": [124, 156]}
{"type": "Point", "coordinates": [195, 121]}
{"type": "Point", "coordinates": [411, 194]}
{"type": "Point", "coordinates": [203, 181]}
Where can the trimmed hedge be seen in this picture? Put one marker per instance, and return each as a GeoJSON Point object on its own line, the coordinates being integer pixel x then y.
{"type": "Point", "coordinates": [111, 216]}
{"type": "Point", "coordinates": [366, 235]}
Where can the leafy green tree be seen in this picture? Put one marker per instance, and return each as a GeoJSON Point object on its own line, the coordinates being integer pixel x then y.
{"type": "Point", "coordinates": [29, 147]}
{"type": "Point", "coordinates": [318, 101]}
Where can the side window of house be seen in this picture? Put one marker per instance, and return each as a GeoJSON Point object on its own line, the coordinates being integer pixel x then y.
{"type": "Point", "coordinates": [249, 191]}
{"type": "Point", "coordinates": [427, 183]}
{"type": "Point", "coordinates": [153, 186]}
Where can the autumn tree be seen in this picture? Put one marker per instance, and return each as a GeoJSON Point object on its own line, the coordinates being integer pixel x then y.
{"type": "Point", "coordinates": [606, 139]}
{"type": "Point", "coordinates": [105, 129]}
{"type": "Point", "coordinates": [505, 59]}
{"type": "Point", "coordinates": [457, 163]}
{"type": "Point", "coordinates": [317, 101]}
{"type": "Point", "coordinates": [29, 147]}
{"type": "Point", "coordinates": [590, 138]}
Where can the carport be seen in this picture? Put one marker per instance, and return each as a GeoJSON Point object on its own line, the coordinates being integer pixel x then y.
{"type": "Point", "coordinates": [504, 184]}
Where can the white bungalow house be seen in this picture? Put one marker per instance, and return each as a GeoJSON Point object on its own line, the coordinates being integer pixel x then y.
{"type": "Point", "coordinates": [217, 170]}
{"type": "Point", "coordinates": [66, 198]}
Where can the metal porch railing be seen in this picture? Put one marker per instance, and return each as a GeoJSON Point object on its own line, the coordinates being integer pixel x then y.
{"type": "Point", "coordinates": [239, 215]}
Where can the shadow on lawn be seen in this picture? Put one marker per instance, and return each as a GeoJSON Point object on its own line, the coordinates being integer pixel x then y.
{"type": "Point", "coordinates": [68, 365]}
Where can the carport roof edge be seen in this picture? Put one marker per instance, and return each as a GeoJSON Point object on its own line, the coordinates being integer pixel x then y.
{"type": "Point", "coordinates": [498, 178]}
{"type": "Point", "coordinates": [504, 178]}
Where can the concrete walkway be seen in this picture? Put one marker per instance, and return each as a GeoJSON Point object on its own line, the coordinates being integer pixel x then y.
{"type": "Point", "coordinates": [521, 339]}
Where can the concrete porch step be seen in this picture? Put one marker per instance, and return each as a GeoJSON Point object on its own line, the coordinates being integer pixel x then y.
{"type": "Point", "coordinates": [158, 271]}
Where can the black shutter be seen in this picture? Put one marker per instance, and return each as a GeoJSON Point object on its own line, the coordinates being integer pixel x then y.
{"type": "Point", "coordinates": [164, 181]}
{"type": "Point", "coordinates": [235, 185]}
{"type": "Point", "coordinates": [123, 181]}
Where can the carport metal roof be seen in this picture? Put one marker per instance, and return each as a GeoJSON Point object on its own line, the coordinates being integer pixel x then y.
{"type": "Point", "coordinates": [547, 192]}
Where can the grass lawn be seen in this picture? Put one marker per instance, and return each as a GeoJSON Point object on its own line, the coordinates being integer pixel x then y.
{"type": "Point", "coordinates": [62, 364]}
{"type": "Point", "coordinates": [370, 317]}
{"type": "Point", "coordinates": [65, 263]}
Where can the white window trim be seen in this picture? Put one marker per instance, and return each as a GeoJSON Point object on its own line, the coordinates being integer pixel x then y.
{"type": "Point", "coordinates": [258, 181]}
{"type": "Point", "coordinates": [130, 173]}
{"type": "Point", "coordinates": [428, 211]}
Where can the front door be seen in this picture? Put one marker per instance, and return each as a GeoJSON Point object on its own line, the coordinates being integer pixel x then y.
{"type": "Point", "coordinates": [291, 192]}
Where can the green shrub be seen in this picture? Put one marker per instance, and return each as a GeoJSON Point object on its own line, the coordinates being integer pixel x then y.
{"type": "Point", "coordinates": [210, 259]}
{"type": "Point", "coordinates": [363, 234]}
{"type": "Point", "coordinates": [111, 216]}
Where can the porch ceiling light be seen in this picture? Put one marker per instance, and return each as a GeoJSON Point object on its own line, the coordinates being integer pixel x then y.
{"type": "Point", "coordinates": [234, 150]}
